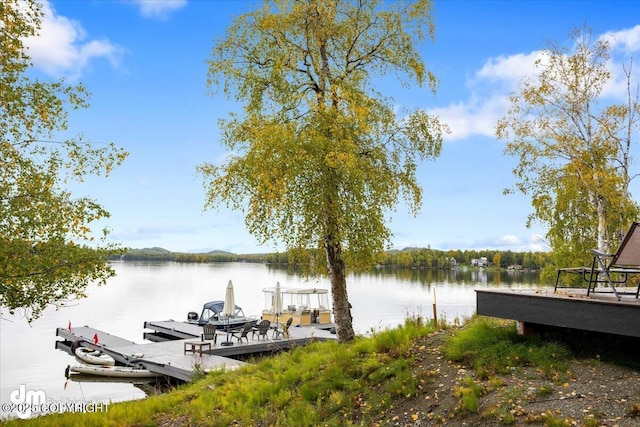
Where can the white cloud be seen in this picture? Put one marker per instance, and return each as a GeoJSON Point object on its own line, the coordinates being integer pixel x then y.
{"type": "Point", "coordinates": [624, 44]}
{"type": "Point", "coordinates": [151, 232]}
{"type": "Point", "coordinates": [628, 41]}
{"type": "Point", "coordinates": [473, 117]}
{"type": "Point", "coordinates": [616, 87]}
{"type": "Point", "coordinates": [490, 88]}
{"type": "Point", "coordinates": [159, 9]}
{"type": "Point", "coordinates": [508, 71]}
{"type": "Point", "coordinates": [61, 50]}
{"type": "Point", "coordinates": [491, 85]}
{"type": "Point", "coordinates": [507, 242]}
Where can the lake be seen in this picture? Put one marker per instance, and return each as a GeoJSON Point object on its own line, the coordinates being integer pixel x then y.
{"type": "Point", "coordinates": [144, 291]}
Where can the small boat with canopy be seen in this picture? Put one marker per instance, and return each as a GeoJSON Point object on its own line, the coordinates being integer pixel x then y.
{"type": "Point", "coordinates": [223, 314]}
{"type": "Point", "coordinates": [212, 313]}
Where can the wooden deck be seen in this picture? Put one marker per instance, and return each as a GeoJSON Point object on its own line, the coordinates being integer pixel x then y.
{"type": "Point", "coordinates": [567, 308]}
{"type": "Point", "coordinates": [163, 330]}
{"type": "Point", "coordinates": [169, 357]}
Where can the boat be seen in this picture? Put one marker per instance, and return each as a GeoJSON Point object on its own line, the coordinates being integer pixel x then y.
{"type": "Point", "coordinates": [212, 314]}
{"type": "Point", "coordinates": [94, 357]}
{"type": "Point", "coordinates": [111, 371]}
{"type": "Point", "coordinates": [307, 306]}
{"type": "Point", "coordinates": [84, 378]}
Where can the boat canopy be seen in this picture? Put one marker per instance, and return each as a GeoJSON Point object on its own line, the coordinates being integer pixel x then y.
{"type": "Point", "coordinates": [213, 311]}
{"type": "Point", "coordinates": [299, 299]}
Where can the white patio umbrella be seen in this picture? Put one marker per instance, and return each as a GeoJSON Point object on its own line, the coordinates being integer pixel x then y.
{"type": "Point", "coordinates": [277, 303]}
{"type": "Point", "coordinates": [229, 308]}
{"type": "Point", "coordinates": [277, 300]}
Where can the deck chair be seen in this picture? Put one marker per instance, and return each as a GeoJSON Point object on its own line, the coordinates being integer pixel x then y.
{"type": "Point", "coordinates": [615, 268]}
{"type": "Point", "coordinates": [242, 333]}
{"type": "Point", "coordinates": [209, 333]}
{"type": "Point", "coordinates": [285, 329]}
{"type": "Point", "coordinates": [612, 269]}
{"type": "Point", "coordinates": [261, 329]}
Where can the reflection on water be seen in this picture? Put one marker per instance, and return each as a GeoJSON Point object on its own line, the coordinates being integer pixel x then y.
{"type": "Point", "coordinates": [460, 276]}
{"type": "Point", "coordinates": [159, 291]}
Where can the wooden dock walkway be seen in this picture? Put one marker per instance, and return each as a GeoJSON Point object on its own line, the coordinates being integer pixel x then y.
{"type": "Point", "coordinates": [169, 358]}
{"type": "Point", "coordinates": [163, 330]}
{"type": "Point", "coordinates": [567, 308]}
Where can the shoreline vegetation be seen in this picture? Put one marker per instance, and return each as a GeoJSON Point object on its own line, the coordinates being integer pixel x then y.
{"type": "Point", "coordinates": [415, 258]}
{"type": "Point", "coordinates": [482, 374]}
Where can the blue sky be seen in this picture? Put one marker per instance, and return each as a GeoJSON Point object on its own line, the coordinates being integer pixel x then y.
{"type": "Point", "coordinates": [144, 63]}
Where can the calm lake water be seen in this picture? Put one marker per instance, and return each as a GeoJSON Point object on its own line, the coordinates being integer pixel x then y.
{"type": "Point", "coordinates": [162, 291]}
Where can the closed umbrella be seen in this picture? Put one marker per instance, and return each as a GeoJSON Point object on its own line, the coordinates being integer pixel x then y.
{"type": "Point", "coordinates": [229, 308]}
{"type": "Point", "coordinates": [277, 303]}
{"type": "Point", "coordinates": [277, 300]}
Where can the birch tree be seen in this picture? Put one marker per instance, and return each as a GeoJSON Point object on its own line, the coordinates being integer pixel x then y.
{"type": "Point", "coordinates": [46, 253]}
{"type": "Point", "coordinates": [318, 156]}
{"type": "Point", "coordinates": [574, 154]}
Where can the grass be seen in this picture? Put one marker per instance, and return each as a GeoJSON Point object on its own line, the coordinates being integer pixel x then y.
{"type": "Point", "coordinates": [493, 346]}
{"type": "Point", "coordinates": [469, 393]}
{"type": "Point", "coordinates": [332, 384]}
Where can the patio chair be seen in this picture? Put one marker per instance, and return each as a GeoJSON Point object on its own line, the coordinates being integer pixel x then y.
{"type": "Point", "coordinates": [241, 334]}
{"type": "Point", "coordinates": [209, 333]}
{"type": "Point", "coordinates": [262, 329]}
{"type": "Point", "coordinates": [612, 269]}
{"type": "Point", "coordinates": [285, 329]}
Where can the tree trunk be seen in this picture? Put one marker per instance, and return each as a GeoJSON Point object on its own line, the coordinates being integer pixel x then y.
{"type": "Point", "coordinates": [603, 242]}
{"type": "Point", "coordinates": [341, 305]}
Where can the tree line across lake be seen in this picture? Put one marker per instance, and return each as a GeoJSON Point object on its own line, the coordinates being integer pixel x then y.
{"type": "Point", "coordinates": [405, 258]}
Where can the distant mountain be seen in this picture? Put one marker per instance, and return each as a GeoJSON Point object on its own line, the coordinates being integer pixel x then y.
{"type": "Point", "coordinates": [154, 249]}
{"type": "Point", "coordinates": [163, 251]}
{"type": "Point", "coordinates": [162, 254]}
{"type": "Point", "coordinates": [217, 252]}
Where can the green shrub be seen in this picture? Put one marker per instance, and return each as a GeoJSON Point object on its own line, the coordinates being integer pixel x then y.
{"type": "Point", "coordinates": [493, 346]}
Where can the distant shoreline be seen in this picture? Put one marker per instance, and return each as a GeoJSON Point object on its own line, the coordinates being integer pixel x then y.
{"type": "Point", "coordinates": [411, 258]}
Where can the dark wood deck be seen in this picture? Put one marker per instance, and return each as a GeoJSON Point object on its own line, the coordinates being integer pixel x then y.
{"type": "Point", "coordinates": [566, 308]}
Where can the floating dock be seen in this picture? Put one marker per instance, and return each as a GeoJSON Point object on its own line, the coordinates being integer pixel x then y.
{"type": "Point", "coordinates": [171, 358]}
{"type": "Point", "coordinates": [597, 312]}
{"type": "Point", "coordinates": [168, 330]}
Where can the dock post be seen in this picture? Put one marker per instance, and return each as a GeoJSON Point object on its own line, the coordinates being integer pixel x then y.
{"type": "Point", "coordinates": [435, 309]}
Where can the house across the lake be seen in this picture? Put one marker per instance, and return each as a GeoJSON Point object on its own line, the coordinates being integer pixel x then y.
{"type": "Point", "coordinates": [482, 262]}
